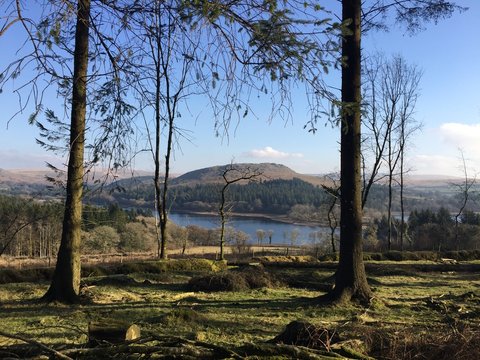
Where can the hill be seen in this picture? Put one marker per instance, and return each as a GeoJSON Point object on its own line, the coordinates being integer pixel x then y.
{"type": "Point", "coordinates": [210, 175]}
{"type": "Point", "coordinates": [279, 188]}
{"type": "Point", "coordinates": [35, 182]}
{"type": "Point", "coordinates": [26, 181]}
{"type": "Point", "coordinates": [24, 176]}
{"type": "Point", "coordinates": [269, 171]}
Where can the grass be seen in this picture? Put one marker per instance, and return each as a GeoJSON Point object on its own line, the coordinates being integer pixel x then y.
{"type": "Point", "coordinates": [409, 309]}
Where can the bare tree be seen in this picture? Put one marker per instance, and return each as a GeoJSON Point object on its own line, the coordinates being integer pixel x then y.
{"type": "Point", "coordinates": [392, 93]}
{"type": "Point", "coordinates": [464, 190]}
{"type": "Point", "coordinates": [166, 63]}
{"type": "Point", "coordinates": [334, 193]}
{"type": "Point", "coordinates": [260, 236]}
{"type": "Point", "coordinates": [270, 236]}
{"type": "Point", "coordinates": [232, 174]}
{"type": "Point", "coordinates": [408, 126]}
{"type": "Point", "coordinates": [223, 53]}
{"type": "Point", "coordinates": [375, 130]}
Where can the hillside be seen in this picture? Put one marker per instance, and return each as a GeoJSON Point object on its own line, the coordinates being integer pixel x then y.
{"type": "Point", "coordinates": [279, 189]}
{"type": "Point", "coordinates": [269, 171]}
{"type": "Point", "coordinates": [24, 181]}
{"type": "Point", "coordinates": [23, 176]}
{"type": "Point", "coordinates": [210, 175]}
{"type": "Point", "coordinates": [34, 181]}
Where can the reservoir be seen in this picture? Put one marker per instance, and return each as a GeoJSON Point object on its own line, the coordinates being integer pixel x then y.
{"type": "Point", "coordinates": [282, 233]}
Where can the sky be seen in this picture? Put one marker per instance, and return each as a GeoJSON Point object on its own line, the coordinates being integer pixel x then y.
{"type": "Point", "coordinates": [448, 107]}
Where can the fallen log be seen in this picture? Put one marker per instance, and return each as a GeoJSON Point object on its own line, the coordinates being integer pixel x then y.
{"type": "Point", "coordinates": [111, 332]}
{"type": "Point", "coordinates": [448, 261]}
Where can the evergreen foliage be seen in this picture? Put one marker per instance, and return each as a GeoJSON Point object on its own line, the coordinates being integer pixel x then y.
{"type": "Point", "coordinates": [275, 196]}
{"type": "Point", "coordinates": [29, 228]}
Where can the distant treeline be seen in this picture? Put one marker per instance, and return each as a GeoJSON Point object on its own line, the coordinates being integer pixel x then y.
{"type": "Point", "coordinates": [33, 228]}
{"type": "Point", "coordinates": [275, 196]}
{"type": "Point", "coordinates": [272, 196]}
{"type": "Point", "coordinates": [268, 196]}
{"type": "Point", "coordinates": [429, 230]}
{"type": "Point", "coordinates": [29, 228]}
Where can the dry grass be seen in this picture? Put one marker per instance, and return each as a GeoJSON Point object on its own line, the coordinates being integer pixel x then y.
{"type": "Point", "coordinates": [245, 278]}
{"type": "Point", "coordinates": [9, 262]}
{"type": "Point", "coordinates": [408, 343]}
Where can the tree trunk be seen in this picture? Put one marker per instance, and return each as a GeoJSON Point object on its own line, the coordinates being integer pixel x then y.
{"type": "Point", "coordinates": [65, 285]}
{"type": "Point", "coordinates": [332, 223]}
{"type": "Point", "coordinates": [158, 191]}
{"type": "Point", "coordinates": [111, 332]}
{"type": "Point", "coordinates": [171, 111]}
{"type": "Point", "coordinates": [402, 203]}
{"type": "Point", "coordinates": [389, 208]}
{"type": "Point", "coordinates": [223, 222]}
{"type": "Point", "coordinates": [351, 281]}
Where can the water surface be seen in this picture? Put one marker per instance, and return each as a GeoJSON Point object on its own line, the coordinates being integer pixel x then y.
{"type": "Point", "coordinates": [283, 233]}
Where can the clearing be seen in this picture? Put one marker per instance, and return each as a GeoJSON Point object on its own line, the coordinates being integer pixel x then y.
{"type": "Point", "coordinates": [420, 311]}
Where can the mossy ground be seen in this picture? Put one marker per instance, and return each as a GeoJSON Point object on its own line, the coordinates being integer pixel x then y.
{"type": "Point", "coordinates": [405, 307]}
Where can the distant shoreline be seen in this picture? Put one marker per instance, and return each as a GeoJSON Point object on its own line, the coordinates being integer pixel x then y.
{"type": "Point", "coordinates": [271, 217]}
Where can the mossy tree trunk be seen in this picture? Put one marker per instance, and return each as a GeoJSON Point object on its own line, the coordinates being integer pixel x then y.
{"type": "Point", "coordinates": [65, 285]}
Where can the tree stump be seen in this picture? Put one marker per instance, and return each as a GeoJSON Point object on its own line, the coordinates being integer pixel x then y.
{"type": "Point", "coordinates": [111, 332]}
{"type": "Point", "coordinates": [301, 333]}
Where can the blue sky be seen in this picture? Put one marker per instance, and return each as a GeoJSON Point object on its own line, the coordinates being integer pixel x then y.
{"type": "Point", "coordinates": [449, 108]}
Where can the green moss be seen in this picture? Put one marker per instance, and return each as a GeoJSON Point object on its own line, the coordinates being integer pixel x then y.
{"type": "Point", "coordinates": [183, 316]}
{"type": "Point", "coordinates": [225, 281]}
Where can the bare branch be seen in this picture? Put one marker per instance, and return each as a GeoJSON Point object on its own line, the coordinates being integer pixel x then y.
{"type": "Point", "coordinates": [37, 344]}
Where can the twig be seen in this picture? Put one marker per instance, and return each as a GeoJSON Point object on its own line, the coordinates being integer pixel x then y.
{"type": "Point", "coordinates": [180, 340]}
{"type": "Point", "coordinates": [36, 343]}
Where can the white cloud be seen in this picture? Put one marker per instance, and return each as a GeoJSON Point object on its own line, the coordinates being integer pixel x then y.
{"type": "Point", "coordinates": [463, 136]}
{"type": "Point", "coordinates": [270, 153]}
{"type": "Point", "coordinates": [435, 165]}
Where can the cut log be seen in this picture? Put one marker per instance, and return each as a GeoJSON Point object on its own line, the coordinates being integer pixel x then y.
{"type": "Point", "coordinates": [448, 261]}
{"type": "Point", "coordinates": [111, 332]}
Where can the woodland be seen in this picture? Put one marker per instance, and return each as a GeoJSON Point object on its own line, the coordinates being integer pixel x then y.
{"type": "Point", "coordinates": [114, 62]}
{"type": "Point", "coordinates": [32, 228]}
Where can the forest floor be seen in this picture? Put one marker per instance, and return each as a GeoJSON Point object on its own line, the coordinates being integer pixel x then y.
{"type": "Point", "coordinates": [415, 314]}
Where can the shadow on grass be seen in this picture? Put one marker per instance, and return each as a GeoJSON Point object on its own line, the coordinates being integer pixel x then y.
{"type": "Point", "coordinates": [33, 309]}
{"type": "Point", "coordinates": [250, 304]}
{"type": "Point", "coordinates": [427, 284]}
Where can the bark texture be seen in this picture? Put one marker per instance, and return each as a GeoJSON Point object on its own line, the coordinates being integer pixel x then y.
{"type": "Point", "coordinates": [65, 285]}
{"type": "Point", "coordinates": [351, 281]}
